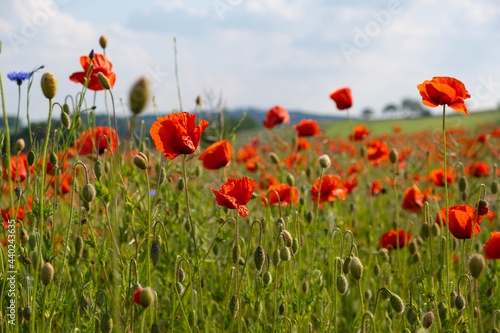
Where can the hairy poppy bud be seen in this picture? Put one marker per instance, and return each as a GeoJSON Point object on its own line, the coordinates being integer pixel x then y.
{"type": "Point", "coordinates": [141, 161]}
{"type": "Point", "coordinates": [32, 242]}
{"type": "Point", "coordinates": [27, 313]}
{"type": "Point", "coordinates": [31, 158]}
{"type": "Point", "coordinates": [393, 156]}
{"type": "Point", "coordinates": [397, 303]}
{"type": "Point", "coordinates": [428, 319]}
{"type": "Point", "coordinates": [65, 120]}
{"type": "Point", "coordinates": [24, 237]}
{"type": "Point", "coordinates": [412, 316]}
{"type": "Point", "coordinates": [79, 246]}
{"type": "Point", "coordinates": [368, 294]}
{"type": "Point", "coordinates": [91, 55]}
{"type": "Point", "coordinates": [285, 253]}
{"type": "Point", "coordinates": [198, 100]}
{"type": "Point", "coordinates": [436, 230]}
{"type": "Point", "coordinates": [259, 257]}
{"type": "Point", "coordinates": [276, 258]}
{"type": "Point", "coordinates": [181, 185]}
{"type": "Point", "coordinates": [139, 95]}
{"type": "Point", "coordinates": [54, 161]}
{"type": "Point", "coordinates": [324, 161]}
{"type": "Point", "coordinates": [309, 217]}
{"type": "Point", "coordinates": [290, 180]}
{"type": "Point", "coordinates": [192, 317]}
{"type": "Point", "coordinates": [47, 273]}
{"type": "Point", "coordinates": [412, 247]}
{"type": "Point", "coordinates": [155, 328]}
{"type": "Point", "coordinates": [106, 323]}
{"type": "Point", "coordinates": [425, 231]}
{"type": "Point", "coordinates": [267, 278]}
{"type": "Point", "coordinates": [304, 286]}
{"type": "Point", "coordinates": [154, 253]}
{"type": "Point", "coordinates": [342, 284]}
{"type": "Point", "coordinates": [179, 287]}
{"type": "Point", "coordinates": [295, 246]}
{"type": "Point", "coordinates": [49, 85]}
{"type": "Point", "coordinates": [376, 270]}
{"type": "Point", "coordinates": [345, 266]}
{"type": "Point", "coordinates": [181, 275]}
{"type": "Point", "coordinates": [258, 308]}
{"type": "Point", "coordinates": [88, 193]}
{"type": "Point", "coordinates": [103, 41]}
{"type": "Point", "coordinates": [234, 306]}
{"type": "Point", "coordinates": [462, 184]}
{"type": "Point", "coordinates": [288, 238]}
{"type": "Point", "coordinates": [356, 268]}
{"type": "Point", "coordinates": [162, 176]}
{"type": "Point", "coordinates": [459, 302]}
{"type": "Point", "coordinates": [477, 264]}
{"type": "Point", "coordinates": [98, 169]}
{"type": "Point", "coordinates": [274, 158]}
{"type": "Point", "coordinates": [18, 192]}
{"type": "Point", "coordinates": [483, 207]}
{"type": "Point", "coordinates": [281, 309]}
{"type": "Point", "coordinates": [442, 311]}
{"type": "Point", "coordinates": [147, 297]}
{"type": "Point", "coordinates": [453, 295]}
{"type": "Point", "coordinates": [20, 144]}
{"type": "Point", "coordinates": [104, 81]}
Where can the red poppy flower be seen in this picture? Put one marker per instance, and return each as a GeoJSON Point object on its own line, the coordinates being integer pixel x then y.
{"type": "Point", "coordinates": [294, 160]}
{"type": "Point", "coordinates": [331, 188]}
{"type": "Point", "coordinates": [137, 295]}
{"type": "Point", "coordinates": [101, 65]}
{"type": "Point", "coordinates": [396, 129]}
{"type": "Point", "coordinates": [413, 199]}
{"type": "Point", "coordinates": [462, 219]}
{"type": "Point", "coordinates": [360, 132]}
{"type": "Point", "coordinates": [437, 177]}
{"type": "Point", "coordinates": [18, 168]}
{"type": "Point", "coordinates": [342, 98]}
{"type": "Point", "coordinates": [216, 156]}
{"type": "Point", "coordinates": [88, 140]}
{"type": "Point", "coordinates": [302, 144]}
{"type": "Point", "coordinates": [275, 116]}
{"type": "Point", "coordinates": [377, 151]}
{"type": "Point", "coordinates": [177, 134]}
{"type": "Point", "coordinates": [253, 163]}
{"type": "Point", "coordinates": [350, 183]}
{"type": "Point", "coordinates": [389, 240]}
{"type": "Point", "coordinates": [444, 91]}
{"type": "Point", "coordinates": [247, 152]}
{"type": "Point", "coordinates": [307, 127]}
{"type": "Point", "coordinates": [64, 182]}
{"type": "Point", "coordinates": [285, 193]}
{"type": "Point", "coordinates": [235, 194]}
{"type": "Point", "coordinates": [492, 246]}
{"type": "Point", "coordinates": [478, 169]}
{"type": "Point", "coordinates": [376, 187]}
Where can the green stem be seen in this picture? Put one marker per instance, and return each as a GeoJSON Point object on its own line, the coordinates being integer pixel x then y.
{"type": "Point", "coordinates": [148, 219]}
{"type": "Point", "coordinates": [448, 243]}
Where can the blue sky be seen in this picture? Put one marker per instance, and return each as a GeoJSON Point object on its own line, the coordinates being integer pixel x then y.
{"type": "Point", "coordinates": [260, 52]}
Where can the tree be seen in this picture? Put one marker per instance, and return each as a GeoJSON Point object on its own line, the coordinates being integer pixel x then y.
{"type": "Point", "coordinates": [367, 113]}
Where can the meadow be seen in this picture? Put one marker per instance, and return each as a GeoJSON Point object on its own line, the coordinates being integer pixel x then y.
{"type": "Point", "coordinates": [190, 226]}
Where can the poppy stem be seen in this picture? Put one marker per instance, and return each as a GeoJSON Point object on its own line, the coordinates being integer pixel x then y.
{"type": "Point", "coordinates": [148, 219]}
{"type": "Point", "coordinates": [448, 243]}
{"type": "Point", "coordinates": [317, 210]}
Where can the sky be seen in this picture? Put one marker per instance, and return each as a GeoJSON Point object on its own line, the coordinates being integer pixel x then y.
{"type": "Point", "coordinates": [257, 53]}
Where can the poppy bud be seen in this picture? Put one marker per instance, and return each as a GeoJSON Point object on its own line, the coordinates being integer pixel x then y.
{"type": "Point", "coordinates": [295, 246]}
{"type": "Point", "coordinates": [31, 158]}
{"type": "Point", "coordinates": [20, 144]}
{"type": "Point", "coordinates": [47, 273]}
{"type": "Point", "coordinates": [304, 286]}
{"type": "Point", "coordinates": [106, 323]}
{"type": "Point", "coordinates": [494, 187]}
{"type": "Point", "coordinates": [146, 297]}
{"type": "Point", "coordinates": [181, 275]}
{"type": "Point", "coordinates": [104, 81]}
{"type": "Point", "coordinates": [484, 207]}
{"type": "Point", "coordinates": [88, 193]}
{"type": "Point", "coordinates": [79, 246]}
{"type": "Point", "coordinates": [287, 237]}
{"type": "Point", "coordinates": [259, 257]}
{"type": "Point", "coordinates": [494, 330]}
{"type": "Point", "coordinates": [342, 284]}
{"type": "Point", "coordinates": [345, 266]}
{"type": "Point", "coordinates": [425, 231]}
{"type": "Point", "coordinates": [155, 328]}
{"type": "Point", "coordinates": [436, 230]}
{"type": "Point", "coordinates": [65, 120]}
{"type": "Point", "coordinates": [162, 176]}
{"type": "Point", "coordinates": [462, 184]}
{"type": "Point", "coordinates": [234, 306]}
{"type": "Point", "coordinates": [49, 85]}
{"type": "Point", "coordinates": [376, 270]}
{"type": "Point", "coordinates": [91, 55]}
{"type": "Point", "coordinates": [32, 242]}
{"type": "Point", "coordinates": [453, 295]}
{"type": "Point", "coordinates": [324, 161]}
{"type": "Point", "coordinates": [368, 294]}
{"type": "Point", "coordinates": [198, 100]}
{"type": "Point", "coordinates": [416, 257]}
{"type": "Point", "coordinates": [309, 217]}
{"type": "Point", "coordinates": [267, 278]}
{"type": "Point", "coordinates": [356, 268]}
{"type": "Point", "coordinates": [154, 253]}
{"type": "Point", "coordinates": [281, 309]}
{"type": "Point", "coordinates": [236, 253]}
{"type": "Point", "coordinates": [276, 258]}
{"type": "Point", "coordinates": [477, 264]}
{"type": "Point", "coordinates": [274, 158]}
{"type": "Point", "coordinates": [139, 95]}
{"type": "Point", "coordinates": [141, 161]}
{"type": "Point", "coordinates": [393, 156]}
{"type": "Point", "coordinates": [179, 287]}
{"type": "Point", "coordinates": [27, 313]}
{"type": "Point", "coordinates": [24, 237]}
{"type": "Point", "coordinates": [412, 247]}
{"type": "Point", "coordinates": [428, 319]}
{"type": "Point", "coordinates": [98, 170]}
{"type": "Point", "coordinates": [181, 185]}
{"type": "Point", "coordinates": [459, 302]}
{"type": "Point", "coordinates": [412, 316]}
{"type": "Point", "coordinates": [285, 253]}
{"type": "Point", "coordinates": [241, 261]}
{"type": "Point", "coordinates": [258, 308]}
{"type": "Point", "coordinates": [192, 317]}
{"type": "Point", "coordinates": [397, 303]}
{"type": "Point", "coordinates": [54, 161]}
{"type": "Point", "coordinates": [442, 311]}
{"type": "Point", "coordinates": [103, 41]}
{"type": "Point", "coordinates": [290, 180]}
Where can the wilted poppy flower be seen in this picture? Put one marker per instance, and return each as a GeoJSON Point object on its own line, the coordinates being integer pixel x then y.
{"type": "Point", "coordinates": [462, 219]}
{"type": "Point", "coordinates": [478, 169]}
{"type": "Point", "coordinates": [437, 177]}
{"type": "Point", "coordinates": [307, 127]}
{"type": "Point", "coordinates": [235, 194]}
{"type": "Point", "coordinates": [275, 116]}
{"type": "Point", "coordinates": [413, 199]}
{"type": "Point", "coordinates": [492, 246]}
{"type": "Point", "coordinates": [331, 188]}
{"type": "Point", "coordinates": [216, 156]}
{"type": "Point", "coordinates": [444, 91]}
{"type": "Point", "coordinates": [101, 65]}
{"type": "Point", "coordinates": [360, 132]}
{"type": "Point", "coordinates": [18, 168]}
{"type": "Point", "coordinates": [88, 140]}
{"type": "Point", "coordinates": [342, 98]}
{"type": "Point", "coordinates": [177, 134]}
{"type": "Point", "coordinates": [389, 240]}
{"type": "Point", "coordinates": [376, 187]}
{"type": "Point", "coordinates": [285, 193]}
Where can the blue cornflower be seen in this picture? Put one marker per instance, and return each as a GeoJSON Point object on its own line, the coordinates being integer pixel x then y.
{"type": "Point", "coordinates": [19, 77]}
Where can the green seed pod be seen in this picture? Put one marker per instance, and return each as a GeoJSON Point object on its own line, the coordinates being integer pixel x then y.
{"type": "Point", "coordinates": [88, 193]}
{"type": "Point", "coordinates": [295, 246]}
{"type": "Point", "coordinates": [147, 297]}
{"type": "Point", "coordinates": [460, 302]}
{"type": "Point", "coordinates": [267, 278]}
{"type": "Point", "coordinates": [276, 258]}
{"type": "Point", "coordinates": [236, 253]}
{"type": "Point", "coordinates": [309, 217]}
{"type": "Point", "coordinates": [324, 161]}
{"type": "Point", "coordinates": [412, 316]}
{"type": "Point", "coordinates": [258, 308]}
{"type": "Point", "coordinates": [285, 254]}
{"type": "Point", "coordinates": [65, 120]}
{"type": "Point", "coordinates": [436, 230]}
{"type": "Point", "coordinates": [376, 270]}
{"type": "Point", "coordinates": [179, 287]}
{"type": "Point", "coordinates": [494, 187]}
{"type": "Point", "coordinates": [49, 85]}
{"type": "Point", "coordinates": [259, 257]}
{"type": "Point", "coordinates": [181, 185]}
{"type": "Point", "coordinates": [192, 318]}
{"type": "Point", "coordinates": [24, 237]}
{"type": "Point", "coordinates": [345, 266]}
{"type": "Point", "coordinates": [98, 170]}
{"type": "Point", "coordinates": [47, 273]}
{"type": "Point", "coordinates": [106, 323]}
{"type": "Point", "coordinates": [155, 253]}
{"type": "Point", "coordinates": [397, 303]}
{"type": "Point", "coordinates": [462, 184]}
{"type": "Point", "coordinates": [356, 268]}
{"type": "Point", "coordinates": [78, 247]}
{"type": "Point", "coordinates": [288, 238]}
{"type": "Point", "coordinates": [27, 313]}
{"type": "Point", "coordinates": [477, 264]}
{"type": "Point", "coordinates": [425, 231]}
{"type": "Point", "coordinates": [155, 328]}
{"type": "Point", "coordinates": [234, 306]}
{"type": "Point", "coordinates": [281, 309]}
{"type": "Point", "coordinates": [342, 284]}
{"type": "Point", "coordinates": [181, 275]}
{"type": "Point", "coordinates": [31, 158]}
{"type": "Point", "coordinates": [20, 144]}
